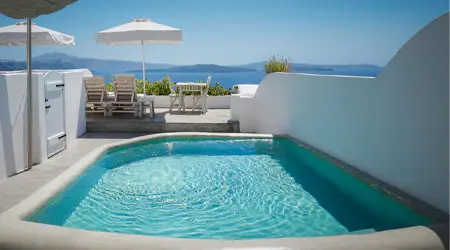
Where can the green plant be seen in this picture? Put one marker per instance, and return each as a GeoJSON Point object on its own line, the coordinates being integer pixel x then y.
{"type": "Point", "coordinates": [216, 90]}
{"type": "Point", "coordinates": [162, 87]}
{"type": "Point", "coordinates": [110, 87]}
{"type": "Point", "coordinates": [278, 64]}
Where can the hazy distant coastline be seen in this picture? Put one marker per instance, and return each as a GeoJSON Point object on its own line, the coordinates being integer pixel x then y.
{"type": "Point", "coordinates": [64, 61]}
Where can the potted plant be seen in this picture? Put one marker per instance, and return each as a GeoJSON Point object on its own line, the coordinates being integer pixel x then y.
{"type": "Point", "coordinates": [278, 64]}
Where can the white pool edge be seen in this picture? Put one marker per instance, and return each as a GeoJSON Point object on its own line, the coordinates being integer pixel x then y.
{"type": "Point", "coordinates": [15, 233]}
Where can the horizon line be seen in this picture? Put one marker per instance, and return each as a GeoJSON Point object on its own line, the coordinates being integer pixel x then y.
{"type": "Point", "coordinates": [175, 64]}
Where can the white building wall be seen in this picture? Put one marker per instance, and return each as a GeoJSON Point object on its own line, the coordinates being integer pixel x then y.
{"type": "Point", "coordinates": [75, 105]}
{"type": "Point", "coordinates": [38, 123]}
{"type": "Point", "coordinates": [13, 126]}
{"type": "Point", "coordinates": [394, 127]}
{"type": "Point", "coordinates": [13, 117]}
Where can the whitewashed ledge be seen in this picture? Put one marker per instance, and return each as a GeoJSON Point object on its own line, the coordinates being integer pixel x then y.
{"type": "Point", "coordinates": [15, 233]}
{"type": "Point", "coordinates": [213, 102]}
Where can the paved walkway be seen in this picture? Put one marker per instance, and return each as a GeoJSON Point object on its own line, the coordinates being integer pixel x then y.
{"type": "Point", "coordinates": [18, 187]}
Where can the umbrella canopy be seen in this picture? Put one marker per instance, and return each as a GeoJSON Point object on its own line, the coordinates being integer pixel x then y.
{"type": "Point", "coordinates": [16, 35]}
{"type": "Point", "coordinates": [31, 8]}
{"type": "Point", "coordinates": [140, 31]}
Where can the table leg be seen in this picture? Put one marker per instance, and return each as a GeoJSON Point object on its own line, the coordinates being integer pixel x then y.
{"type": "Point", "coordinates": [204, 104]}
{"type": "Point", "coordinates": [193, 102]}
{"type": "Point", "coordinates": [182, 100]}
{"type": "Point", "coordinates": [179, 99]}
{"type": "Point", "coordinates": [202, 101]}
{"type": "Point", "coordinates": [153, 108]}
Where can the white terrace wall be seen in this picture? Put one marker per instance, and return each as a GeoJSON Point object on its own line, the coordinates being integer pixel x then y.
{"type": "Point", "coordinates": [13, 124]}
{"type": "Point", "coordinates": [394, 127]}
{"type": "Point", "coordinates": [13, 117]}
{"type": "Point", "coordinates": [212, 102]}
{"type": "Point", "coordinates": [75, 104]}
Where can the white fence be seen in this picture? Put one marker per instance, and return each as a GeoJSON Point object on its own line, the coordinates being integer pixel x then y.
{"type": "Point", "coordinates": [394, 127]}
{"type": "Point", "coordinates": [13, 113]}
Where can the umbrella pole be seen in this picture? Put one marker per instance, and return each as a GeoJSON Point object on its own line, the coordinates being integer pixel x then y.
{"type": "Point", "coordinates": [143, 65]}
{"type": "Point", "coordinates": [29, 76]}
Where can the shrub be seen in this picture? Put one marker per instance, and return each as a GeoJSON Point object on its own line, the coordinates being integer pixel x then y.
{"type": "Point", "coordinates": [162, 87]}
{"type": "Point", "coordinates": [110, 87]}
{"type": "Point", "coordinates": [278, 64]}
{"type": "Point", "coordinates": [216, 90]}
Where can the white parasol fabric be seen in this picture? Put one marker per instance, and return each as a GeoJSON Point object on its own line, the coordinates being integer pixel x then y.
{"type": "Point", "coordinates": [140, 31]}
{"type": "Point", "coordinates": [16, 35]}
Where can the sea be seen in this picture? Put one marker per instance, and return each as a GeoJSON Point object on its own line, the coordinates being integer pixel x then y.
{"type": "Point", "coordinates": [227, 80]}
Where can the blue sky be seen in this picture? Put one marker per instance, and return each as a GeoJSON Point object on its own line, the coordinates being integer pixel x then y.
{"type": "Point", "coordinates": [243, 31]}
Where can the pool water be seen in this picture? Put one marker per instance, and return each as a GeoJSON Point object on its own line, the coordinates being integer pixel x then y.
{"type": "Point", "coordinates": [222, 189]}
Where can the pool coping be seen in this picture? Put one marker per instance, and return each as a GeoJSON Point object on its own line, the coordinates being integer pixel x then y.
{"type": "Point", "coordinates": [15, 233]}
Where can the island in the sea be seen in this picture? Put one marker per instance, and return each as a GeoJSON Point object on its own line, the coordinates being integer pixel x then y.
{"type": "Point", "coordinates": [64, 61]}
{"type": "Point", "coordinates": [203, 68]}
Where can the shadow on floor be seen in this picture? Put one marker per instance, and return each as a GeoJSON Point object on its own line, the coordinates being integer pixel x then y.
{"type": "Point", "coordinates": [97, 117]}
{"type": "Point", "coordinates": [185, 113]}
{"type": "Point", "coordinates": [442, 231]}
{"type": "Point", "coordinates": [111, 135]}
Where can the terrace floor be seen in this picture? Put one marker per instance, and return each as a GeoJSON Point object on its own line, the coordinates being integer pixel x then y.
{"type": "Point", "coordinates": [16, 188]}
{"type": "Point", "coordinates": [215, 120]}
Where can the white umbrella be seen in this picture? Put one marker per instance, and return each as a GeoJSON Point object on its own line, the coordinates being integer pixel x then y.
{"type": "Point", "coordinates": [16, 35]}
{"type": "Point", "coordinates": [140, 31]}
{"type": "Point", "coordinates": [28, 9]}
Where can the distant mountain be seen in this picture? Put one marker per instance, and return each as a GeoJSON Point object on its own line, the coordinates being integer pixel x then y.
{"type": "Point", "coordinates": [64, 61]}
{"type": "Point", "coordinates": [254, 65]}
{"type": "Point", "coordinates": [8, 65]}
{"type": "Point", "coordinates": [203, 68]}
{"type": "Point", "coordinates": [47, 64]}
{"type": "Point", "coordinates": [99, 65]}
{"type": "Point", "coordinates": [301, 67]}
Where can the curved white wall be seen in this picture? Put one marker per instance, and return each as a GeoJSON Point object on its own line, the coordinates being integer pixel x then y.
{"type": "Point", "coordinates": [394, 127]}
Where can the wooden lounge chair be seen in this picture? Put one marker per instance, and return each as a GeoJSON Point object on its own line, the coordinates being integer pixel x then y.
{"type": "Point", "coordinates": [125, 99]}
{"type": "Point", "coordinates": [96, 95]}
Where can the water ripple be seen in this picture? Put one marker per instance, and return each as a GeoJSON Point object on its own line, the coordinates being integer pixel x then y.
{"type": "Point", "coordinates": [203, 196]}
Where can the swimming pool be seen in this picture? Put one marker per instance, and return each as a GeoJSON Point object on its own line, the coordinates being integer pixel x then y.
{"type": "Point", "coordinates": [222, 188]}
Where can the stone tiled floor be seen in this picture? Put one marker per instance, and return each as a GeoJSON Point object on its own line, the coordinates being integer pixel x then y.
{"type": "Point", "coordinates": [18, 187]}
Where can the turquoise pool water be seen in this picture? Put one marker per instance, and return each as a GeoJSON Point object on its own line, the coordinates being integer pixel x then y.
{"type": "Point", "coordinates": [222, 189]}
